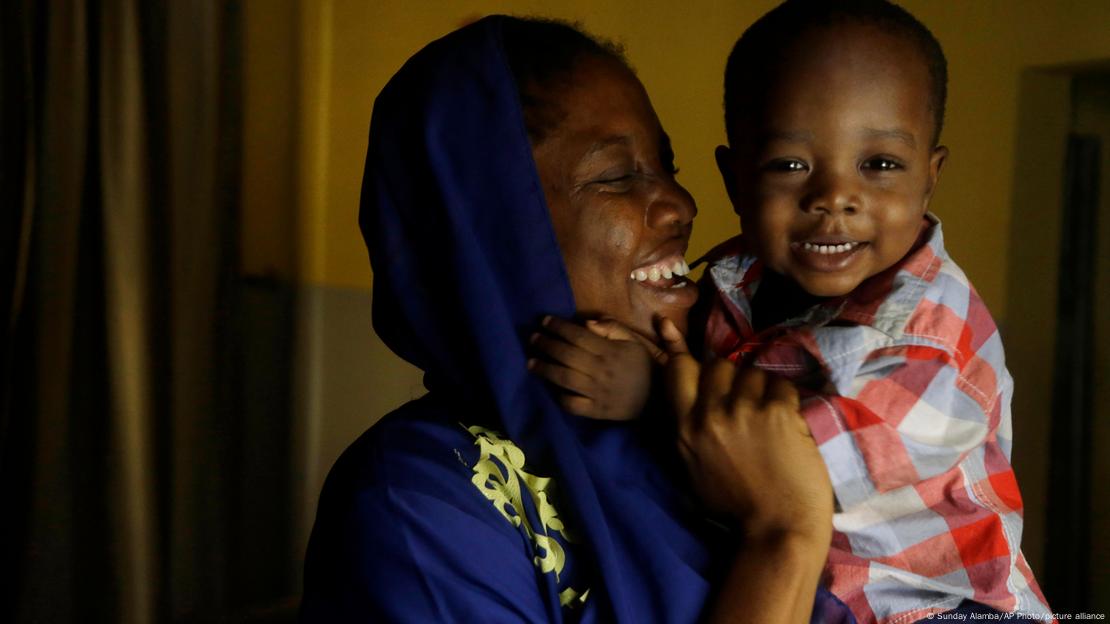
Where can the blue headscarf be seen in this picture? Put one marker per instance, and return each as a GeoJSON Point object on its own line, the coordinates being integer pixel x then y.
{"type": "Point", "coordinates": [465, 264]}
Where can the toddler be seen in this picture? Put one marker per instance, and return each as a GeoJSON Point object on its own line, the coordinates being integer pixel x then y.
{"type": "Point", "coordinates": [840, 282]}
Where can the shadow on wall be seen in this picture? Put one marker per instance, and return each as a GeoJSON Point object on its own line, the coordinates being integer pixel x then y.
{"type": "Point", "coordinates": [1057, 340]}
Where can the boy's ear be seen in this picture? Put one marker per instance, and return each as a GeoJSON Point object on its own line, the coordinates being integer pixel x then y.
{"type": "Point", "coordinates": [726, 165]}
{"type": "Point", "coordinates": [936, 162]}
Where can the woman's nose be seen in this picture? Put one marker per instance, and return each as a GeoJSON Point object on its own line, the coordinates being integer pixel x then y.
{"type": "Point", "coordinates": [673, 206]}
{"type": "Point", "coordinates": [832, 193]}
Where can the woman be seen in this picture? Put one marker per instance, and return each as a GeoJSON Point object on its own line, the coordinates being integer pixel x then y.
{"type": "Point", "coordinates": [517, 170]}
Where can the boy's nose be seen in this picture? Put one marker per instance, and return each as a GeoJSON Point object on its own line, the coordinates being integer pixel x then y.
{"type": "Point", "coordinates": [832, 194]}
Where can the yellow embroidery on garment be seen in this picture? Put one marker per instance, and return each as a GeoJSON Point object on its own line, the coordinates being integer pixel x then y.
{"type": "Point", "coordinates": [571, 598]}
{"type": "Point", "coordinates": [503, 489]}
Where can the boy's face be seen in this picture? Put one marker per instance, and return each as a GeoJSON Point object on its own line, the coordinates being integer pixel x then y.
{"type": "Point", "coordinates": [832, 173]}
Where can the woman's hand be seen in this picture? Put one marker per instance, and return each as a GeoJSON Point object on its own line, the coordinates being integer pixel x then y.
{"type": "Point", "coordinates": [602, 370]}
{"type": "Point", "coordinates": [748, 450]}
{"type": "Point", "coordinates": [750, 455]}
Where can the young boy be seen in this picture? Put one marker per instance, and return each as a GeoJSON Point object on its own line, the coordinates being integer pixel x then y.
{"type": "Point", "coordinates": [840, 282]}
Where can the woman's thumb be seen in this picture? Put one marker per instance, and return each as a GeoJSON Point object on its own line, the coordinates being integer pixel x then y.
{"type": "Point", "coordinates": [673, 340]}
{"type": "Point", "coordinates": [682, 371]}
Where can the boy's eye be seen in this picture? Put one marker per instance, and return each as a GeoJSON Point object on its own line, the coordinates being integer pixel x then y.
{"type": "Point", "coordinates": [882, 163]}
{"type": "Point", "coordinates": [785, 165]}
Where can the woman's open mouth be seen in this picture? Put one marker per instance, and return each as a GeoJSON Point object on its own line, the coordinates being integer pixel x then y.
{"type": "Point", "coordinates": [666, 279]}
{"type": "Point", "coordinates": [668, 273]}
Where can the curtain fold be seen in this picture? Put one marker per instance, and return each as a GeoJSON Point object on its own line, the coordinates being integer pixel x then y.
{"type": "Point", "coordinates": [120, 439]}
{"type": "Point", "coordinates": [123, 157]}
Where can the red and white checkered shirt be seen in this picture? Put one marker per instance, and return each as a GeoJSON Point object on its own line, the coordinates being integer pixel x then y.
{"type": "Point", "coordinates": [906, 392]}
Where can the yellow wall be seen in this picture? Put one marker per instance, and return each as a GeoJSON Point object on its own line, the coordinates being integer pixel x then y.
{"type": "Point", "coordinates": [269, 237]}
{"type": "Point", "coordinates": [315, 66]}
{"type": "Point", "coordinates": [349, 48]}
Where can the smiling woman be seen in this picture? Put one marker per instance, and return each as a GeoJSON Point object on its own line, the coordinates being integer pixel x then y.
{"type": "Point", "coordinates": [487, 207]}
{"type": "Point", "coordinates": [609, 178]}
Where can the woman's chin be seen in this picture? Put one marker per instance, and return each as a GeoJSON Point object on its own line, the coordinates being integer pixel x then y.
{"type": "Point", "coordinates": [672, 300]}
{"type": "Point", "coordinates": [667, 294]}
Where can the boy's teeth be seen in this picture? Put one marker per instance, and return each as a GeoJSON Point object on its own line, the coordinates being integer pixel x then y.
{"type": "Point", "coordinates": [829, 249]}
{"type": "Point", "coordinates": [641, 275]}
{"type": "Point", "coordinates": [667, 274]}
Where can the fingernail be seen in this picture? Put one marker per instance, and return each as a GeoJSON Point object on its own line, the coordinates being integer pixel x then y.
{"type": "Point", "coordinates": [591, 322]}
{"type": "Point", "coordinates": [531, 363]}
{"type": "Point", "coordinates": [546, 320]}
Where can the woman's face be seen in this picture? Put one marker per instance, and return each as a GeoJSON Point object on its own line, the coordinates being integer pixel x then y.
{"type": "Point", "coordinates": [620, 217]}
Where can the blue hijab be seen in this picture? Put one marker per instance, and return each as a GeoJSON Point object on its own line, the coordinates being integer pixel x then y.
{"type": "Point", "coordinates": [465, 264]}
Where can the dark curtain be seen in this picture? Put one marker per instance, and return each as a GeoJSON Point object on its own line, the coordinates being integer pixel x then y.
{"type": "Point", "coordinates": [1068, 539]}
{"type": "Point", "coordinates": [121, 445]}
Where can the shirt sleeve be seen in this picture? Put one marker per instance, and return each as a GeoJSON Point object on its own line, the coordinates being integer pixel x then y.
{"type": "Point", "coordinates": [400, 555]}
{"type": "Point", "coordinates": [902, 415]}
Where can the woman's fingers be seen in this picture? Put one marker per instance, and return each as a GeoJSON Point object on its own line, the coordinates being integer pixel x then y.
{"type": "Point", "coordinates": [718, 378]}
{"type": "Point", "coordinates": [682, 375]}
{"type": "Point", "coordinates": [782, 391]}
{"type": "Point", "coordinates": [782, 394]}
{"type": "Point", "coordinates": [748, 385]}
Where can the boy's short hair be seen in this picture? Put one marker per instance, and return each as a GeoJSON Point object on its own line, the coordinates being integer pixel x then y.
{"type": "Point", "coordinates": [753, 57]}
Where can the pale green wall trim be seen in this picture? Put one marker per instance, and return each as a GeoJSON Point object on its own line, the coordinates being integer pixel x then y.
{"type": "Point", "coordinates": [345, 379]}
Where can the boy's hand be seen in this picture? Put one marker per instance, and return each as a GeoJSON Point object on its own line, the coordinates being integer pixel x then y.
{"type": "Point", "coordinates": [604, 369]}
{"type": "Point", "coordinates": [748, 450]}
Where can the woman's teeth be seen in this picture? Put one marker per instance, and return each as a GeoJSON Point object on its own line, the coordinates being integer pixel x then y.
{"type": "Point", "coordinates": [661, 271]}
{"type": "Point", "coordinates": [829, 249]}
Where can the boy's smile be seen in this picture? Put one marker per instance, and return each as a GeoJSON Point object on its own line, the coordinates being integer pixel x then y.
{"type": "Point", "coordinates": [832, 172]}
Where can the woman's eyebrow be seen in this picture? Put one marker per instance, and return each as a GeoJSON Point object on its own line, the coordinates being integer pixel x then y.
{"type": "Point", "coordinates": [622, 140]}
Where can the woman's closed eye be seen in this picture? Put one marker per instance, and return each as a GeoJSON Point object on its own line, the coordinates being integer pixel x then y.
{"type": "Point", "coordinates": [620, 178]}
{"type": "Point", "coordinates": [615, 181]}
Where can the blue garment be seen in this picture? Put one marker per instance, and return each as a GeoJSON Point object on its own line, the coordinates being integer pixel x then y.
{"type": "Point", "coordinates": [465, 265]}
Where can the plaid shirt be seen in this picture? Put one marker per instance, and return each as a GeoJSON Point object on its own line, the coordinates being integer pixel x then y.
{"type": "Point", "coordinates": [906, 392]}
